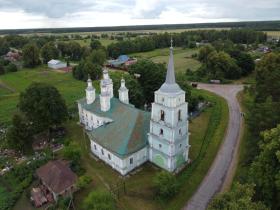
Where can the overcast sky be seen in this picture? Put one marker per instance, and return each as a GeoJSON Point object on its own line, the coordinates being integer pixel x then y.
{"type": "Point", "coordinates": [87, 13]}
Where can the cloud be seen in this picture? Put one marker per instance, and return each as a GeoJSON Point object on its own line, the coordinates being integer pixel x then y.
{"type": "Point", "coordinates": [82, 13]}
{"type": "Point", "coordinates": [49, 8]}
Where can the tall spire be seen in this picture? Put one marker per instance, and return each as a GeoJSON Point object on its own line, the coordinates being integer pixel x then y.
{"type": "Point", "coordinates": [170, 75]}
{"type": "Point", "coordinates": [170, 84]}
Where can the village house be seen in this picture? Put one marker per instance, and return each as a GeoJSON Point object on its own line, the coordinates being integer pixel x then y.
{"type": "Point", "coordinates": [57, 179]}
{"type": "Point", "coordinates": [122, 61]}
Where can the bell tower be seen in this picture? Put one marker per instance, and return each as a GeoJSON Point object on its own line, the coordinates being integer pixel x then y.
{"type": "Point", "coordinates": [169, 136]}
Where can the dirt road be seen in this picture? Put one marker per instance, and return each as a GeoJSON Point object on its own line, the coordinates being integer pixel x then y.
{"type": "Point", "coordinates": [221, 170]}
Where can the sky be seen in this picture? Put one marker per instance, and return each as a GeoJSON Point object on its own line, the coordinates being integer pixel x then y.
{"type": "Point", "coordinates": [16, 14]}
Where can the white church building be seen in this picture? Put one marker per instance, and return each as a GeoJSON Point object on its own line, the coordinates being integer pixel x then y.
{"type": "Point", "coordinates": [126, 137]}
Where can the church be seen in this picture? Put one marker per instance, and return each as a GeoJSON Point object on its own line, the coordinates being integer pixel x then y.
{"type": "Point", "coordinates": [126, 137]}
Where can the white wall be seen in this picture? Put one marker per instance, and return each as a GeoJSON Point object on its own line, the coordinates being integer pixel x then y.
{"type": "Point", "coordinates": [90, 120]}
{"type": "Point", "coordinates": [124, 165]}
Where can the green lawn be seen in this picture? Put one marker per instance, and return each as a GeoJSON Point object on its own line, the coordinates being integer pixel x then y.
{"type": "Point", "coordinates": [70, 88]}
{"type": "Point", "coordinates": [182, 58]}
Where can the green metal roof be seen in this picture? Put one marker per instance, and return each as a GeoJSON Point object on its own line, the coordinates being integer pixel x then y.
{"type": "Point", "coordinates": [128, 131]}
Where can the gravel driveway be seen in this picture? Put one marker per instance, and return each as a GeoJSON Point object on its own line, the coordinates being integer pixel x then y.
{"type": "Point", "coordinates": [221, 170]}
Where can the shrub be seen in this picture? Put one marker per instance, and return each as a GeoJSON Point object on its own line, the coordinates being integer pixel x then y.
{"type": "Point", "coordinates": [99, 200]}
{"type": "Point", "coordinates": [11, 68]}
{"type": "Point", "coordinates": [166, 185]}
{"type": "Point", "coordinates": [83, 181]}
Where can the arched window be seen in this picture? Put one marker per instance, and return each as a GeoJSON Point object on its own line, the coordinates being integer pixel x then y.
{"type": "Point", "coordinates": [162, 115]}
{"type": "Point", "coordinates": [180, 131]}
{"type": "Point", "coordinates": [179, 115]}
{"type": "Point", "coordinates": [161, 132]}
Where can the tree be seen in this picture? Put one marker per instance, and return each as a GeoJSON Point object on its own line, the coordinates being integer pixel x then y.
{"type": "Point", "coordinates": [204, 52]}
{"type": "Point", "coordinates": [85, 68]}
{"type": "Point", "coordinates": [30, 55]}
{"type": "Point", "coordinates": [240, 197]}
{"type": "Point", "coordinates": [268, 78]}
{"type": "Point", "coordinates": [70, 49]}
{"type": "Point", "coordinates": [19, 135]}
{"type": "Point", "coordinates": [4, 47]}
{"type": "Point", "coordinates": [2, 70]}
{"type": "Point", "coordinates": [166, 185]}
{"type": "Point", "coordinates": [136, 96]}
{"type": "Point", "coordinates": [49, 51]}
{"type": "Point", "coordinates": [78, 72]}
{"type": "Point", "coordinates": [265, 112]}
{"type": "Point", "coordinates": [97, 57]}
{"type": "Point", "coordinates": [264, 115]}
{"type": "Point", "coordinates": [43, 106]}
{"type": "Point", "coordinates": [220, 65]}
{"type": "Point", "coordinates": [244, 61]}
{"type": "Point", "coordinates": [11, 67]}
{"type": "Point", "coordinates": [73, 50]}
{"type": "Point", "coordinates": [83, 181]}
{"type": "Point", "coordinates": [94, 70]}
{"type": "Point", "coordinates": [99, 200]}
{"type": "Point", "coordinates": [72, 153]}
{"type": "Point", "coordinates": [148, 71]}
{"type": "Point", "coordinates": [265, 170]}
{"type": "Point", "coordinates": [95, 44]}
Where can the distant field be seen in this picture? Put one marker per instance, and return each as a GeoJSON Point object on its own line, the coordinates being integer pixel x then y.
{"type": "Point", "coordinates": [129, 31]}
{"type": "Point", "coordinates": [86, 42]}
{"type": "Point", "coordinates": [182, 58]}
{"type": "Point", "coordinates": [273, 33]}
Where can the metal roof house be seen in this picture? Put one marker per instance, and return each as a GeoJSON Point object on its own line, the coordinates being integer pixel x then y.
{"type": "Point", "coordinates": [56, 64]}
{"type": "Point", "coordinates": [125, 137]}
{"type": "Point", "coordinates": [122, 60]}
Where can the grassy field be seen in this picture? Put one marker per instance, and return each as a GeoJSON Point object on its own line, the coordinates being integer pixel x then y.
{"type": "Point", "coordinates": [70, 89]}
{"type": "Point", "coordinates": [182, 58]}
{"type": "Point", "coordinates": [275, 34]}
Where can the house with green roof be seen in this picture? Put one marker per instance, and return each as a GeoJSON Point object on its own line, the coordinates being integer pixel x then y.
{"type": "Point", "coordinates": [126, 137]}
